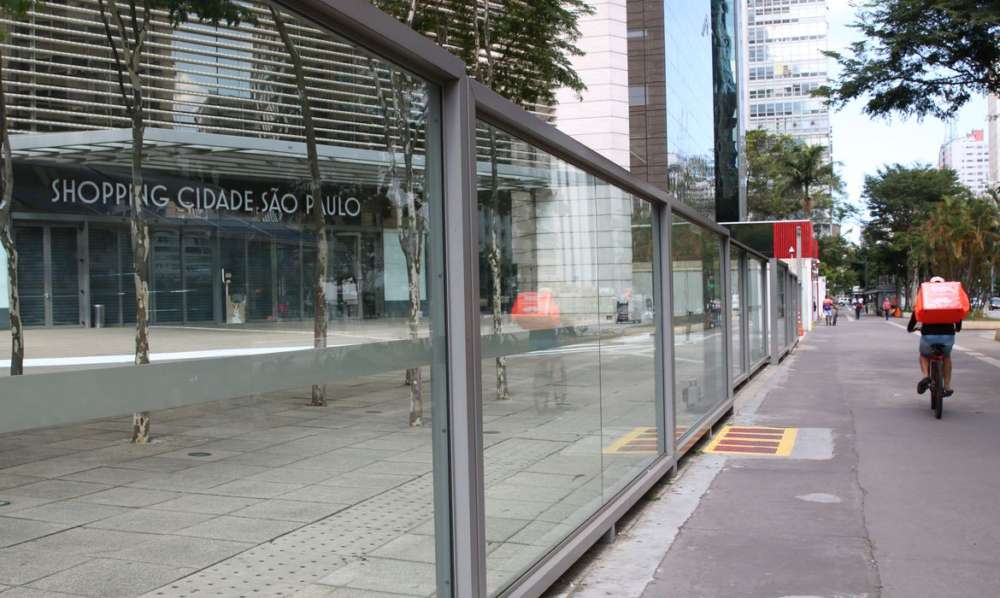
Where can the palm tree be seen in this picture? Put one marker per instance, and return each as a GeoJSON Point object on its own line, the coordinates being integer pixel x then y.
{"type": "Point", "coordinates": [809, 173]}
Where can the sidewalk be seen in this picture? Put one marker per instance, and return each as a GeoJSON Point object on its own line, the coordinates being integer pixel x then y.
{"type": "Point", "coordinates": [897, 504]}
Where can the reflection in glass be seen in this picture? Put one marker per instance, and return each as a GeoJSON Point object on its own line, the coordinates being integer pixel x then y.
{"type": "Point", "coordinates": [295, 499]}
{"type": "Point", "coordinates": [568, 319]}
{"type": "Point", "coordinates": [737, 258]}
{"type": "Point", "coordinates": [700, 380]}
{"type": "Point", "coordinates": [782, 326]}
{"type": "Point", "coordinates": [756, 308]}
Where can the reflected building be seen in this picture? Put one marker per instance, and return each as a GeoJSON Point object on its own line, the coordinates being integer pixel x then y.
{"type": "Point", "coordinates": [225, 170]}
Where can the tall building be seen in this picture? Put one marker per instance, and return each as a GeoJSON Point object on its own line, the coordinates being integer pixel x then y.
{"type": "Point", "coordinates": [784, 65]}
{"type": "Point", "coordinates": [969, 157]}
{"type": "Point", "coordinates": [993, 135]}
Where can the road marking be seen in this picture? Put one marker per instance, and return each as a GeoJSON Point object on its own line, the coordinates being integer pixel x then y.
{"type": "Point", "coordinates": [753, 440]}
{"type": "Point", "coordinates": [638, 441]}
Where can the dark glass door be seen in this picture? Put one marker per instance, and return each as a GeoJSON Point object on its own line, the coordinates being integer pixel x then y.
{"type": "Point", "coordinates": [167, 286]}
{"type": "Point", "coordinates": [289, 281]}
{"type": "Point", "coordinates": [345, 271]}
{"type": "Point", "coordinates": [198, 271]}
{"type": "Point", "coordinates": [260, 280]}
{"type": "Point", "coordinates": [65, 281]}
{"type": "Point", "coordinates": [31, 269]}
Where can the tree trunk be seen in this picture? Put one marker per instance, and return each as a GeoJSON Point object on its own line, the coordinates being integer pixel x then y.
{"type": "Point", "coordinates": [494, 258]}
{"type": "Point", "coordinates": [140, 247]}
{"type": "Point", "coordinates": [7, 237]}
{"type": "Point", "coordinates": [414, 375]}
{"type": "Point", "coordinates": [318, 395]}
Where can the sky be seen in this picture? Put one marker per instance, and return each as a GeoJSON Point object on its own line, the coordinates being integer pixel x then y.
{"type": "Point", "coordinates": [862, 145]}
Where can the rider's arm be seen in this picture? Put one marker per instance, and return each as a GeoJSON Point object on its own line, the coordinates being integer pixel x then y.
{"type": "Point", "coordinates": [912, 325]}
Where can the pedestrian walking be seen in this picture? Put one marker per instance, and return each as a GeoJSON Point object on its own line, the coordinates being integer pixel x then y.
{"type": "Point", "coordinates": [886, 306]}
{"type": "Point", "coordinates": [858, 306]}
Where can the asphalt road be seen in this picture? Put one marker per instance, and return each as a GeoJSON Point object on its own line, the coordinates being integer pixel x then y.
{"type": "Point", "coordinates": [898, 504]}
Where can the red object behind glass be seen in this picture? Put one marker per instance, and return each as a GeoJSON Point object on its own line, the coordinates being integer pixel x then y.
{"type": "Point", "coordinates": [535, 310]}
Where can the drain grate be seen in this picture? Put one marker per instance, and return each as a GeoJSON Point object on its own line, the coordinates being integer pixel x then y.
{"type": "Point", "coordinates": [753, 440]}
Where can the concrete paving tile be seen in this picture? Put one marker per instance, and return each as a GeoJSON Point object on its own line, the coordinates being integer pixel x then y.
{"type": "Point", "coordinates": [290, 510]}
{"type": "Point", "coordinates": [87, 541]}
{"type": "Point", "coordinates": [239, 529]}
{"type": "Point", "coordinates": [10, 480]}
{"type": "Point", "coordinates": [113, 476]}
{"type": "Point", "coordinates": [265, 459]}
{"type": "Point", "coordinates": [85, 444]}
{"type": "Point", "coordinates": [108, 578]}
{"type": "Point", "coordinates": [56, 489]}
{"type": "Point", "coordinates": [27, 456]}
{"type": "Point", "coordinates": [70, 512]}
{"type": "Point", "coordinates": [331, 494]}
{"type": "Point", "coordinates": [290, 475]}
{"type": "Point", "coordinates": [20, 503]}
{"type": "Point", "coordinates": [253, 489]}
{"type": "Point", "coordinates": [384, 575]}
{"type": "Point", "coordinates": [318, 591]}
{"type": "Point", "coordinates": [130, 497]}
{"type": "Point", "coordinates": [216, 455]}
{"type": "Point", "coordinates": [383, 481]}
{"type": "Point", "coordinates": [32, 593]}
{"type": "Point", "coordinates": [23, 564]}
{"type": "Point", "coordinates": [14, 531]}
{"type": "Point", "coordinates": [408, 547]}
{"type": "Point", "coordinates": [181, 551]}
{"type": "Point", "coordinates": [239, 445]}
{"type": "Point", "coordinates": [151, 521]}
{"type": "Point", "coordinates": [160, 464]}
{"type": "Point", "coordinates": [207, 503]}
{"type": "Point", "coordinates": [397, 468]}
{"type": "Point", "coordinates": [515, 509]}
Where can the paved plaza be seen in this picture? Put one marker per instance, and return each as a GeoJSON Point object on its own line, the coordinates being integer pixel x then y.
{"type": "Point", "coordinates": [266, 496]}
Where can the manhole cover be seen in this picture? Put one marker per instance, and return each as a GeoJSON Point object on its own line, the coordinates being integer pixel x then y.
{"type": "Point", "coordinates": [4, 503]}
{"type": "Point", "coordinates": [199, 454]}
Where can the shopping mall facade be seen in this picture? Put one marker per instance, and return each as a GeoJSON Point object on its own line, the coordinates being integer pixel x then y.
{"type": "Point", "coordinates": [558, 393]}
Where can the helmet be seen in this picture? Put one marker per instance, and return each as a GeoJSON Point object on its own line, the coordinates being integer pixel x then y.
{"type": "Point", "coordinates": [937, 279]}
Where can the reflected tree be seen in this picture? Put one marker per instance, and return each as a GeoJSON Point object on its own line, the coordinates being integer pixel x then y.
{"type": "Point", "coordinates": [128, 31]}
{"type": "Point", "coordinates": [12, 10]}
{"type": "Point", "coordinates": [318, 394]}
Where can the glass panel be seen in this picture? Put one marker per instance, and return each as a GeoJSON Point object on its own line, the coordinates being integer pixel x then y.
{"type": "Point", "coordinates": [628, 341]}
{"type": "Point", "coordinates": [700, 378]}
{"type": "Point", "coordinates": [309, 470]}
{"type": "Point", "coordinates": [198, 273]}
{"type": "Point", "coordinates": [737, 256]}
{"type": "Point", "coordinates": [756, 308]}
{"type": "Point", "coordinates": [542, 320]}
{"type": "Point", "coordinates": [782, 326]}
{"type": "Point", "coordinates": [31, 273]}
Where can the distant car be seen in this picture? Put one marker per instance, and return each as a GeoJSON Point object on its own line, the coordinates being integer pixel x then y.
{"type": "Point", "coordinates": [995, 303]}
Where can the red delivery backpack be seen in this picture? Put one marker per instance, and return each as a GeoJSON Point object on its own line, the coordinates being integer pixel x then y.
{"type": "Point", "coordinates": [535, 310]}
{"type": "Point", "coordinates": [941, 303]}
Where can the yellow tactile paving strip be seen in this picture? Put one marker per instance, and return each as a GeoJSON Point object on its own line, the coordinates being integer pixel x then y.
{"type": "Point", "coordinates": [753, 441]}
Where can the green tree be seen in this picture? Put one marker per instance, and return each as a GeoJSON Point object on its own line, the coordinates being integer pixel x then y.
{"type": "Point", "coordinates": [12, 10]}
{"type": "Point", "coordinates": [899, 199]}
{"type": "Point", "coordinates": [836, 263]}
{"type": "Point", "coordinates": [128, 33]}
{"type": "Point", "coordinates": [920, 57]}
{"type": "Point", "coordinates": [787, 177]}
{"type": "Point", "coordinates": [960, 240]}
{"type": "Point", "coordinates": [810, 177]}
{"type": "Point", "coordinates": [521, 50]}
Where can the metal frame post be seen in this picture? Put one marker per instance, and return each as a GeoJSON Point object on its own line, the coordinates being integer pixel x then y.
{"type": "Point", "coordinates": [726, 316]}
{"type": "Point", "coordinates": [663, 296]}
{"type": "Point", "coordinates": [461, 246]}
{"type": "Point", "coordinates": [772, 292]}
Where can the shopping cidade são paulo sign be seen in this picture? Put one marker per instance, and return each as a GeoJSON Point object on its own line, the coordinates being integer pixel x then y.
{"type": "Point", "coordinates": [193, 197]}
{"type": "Point", "coordinates": [108, 191]}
